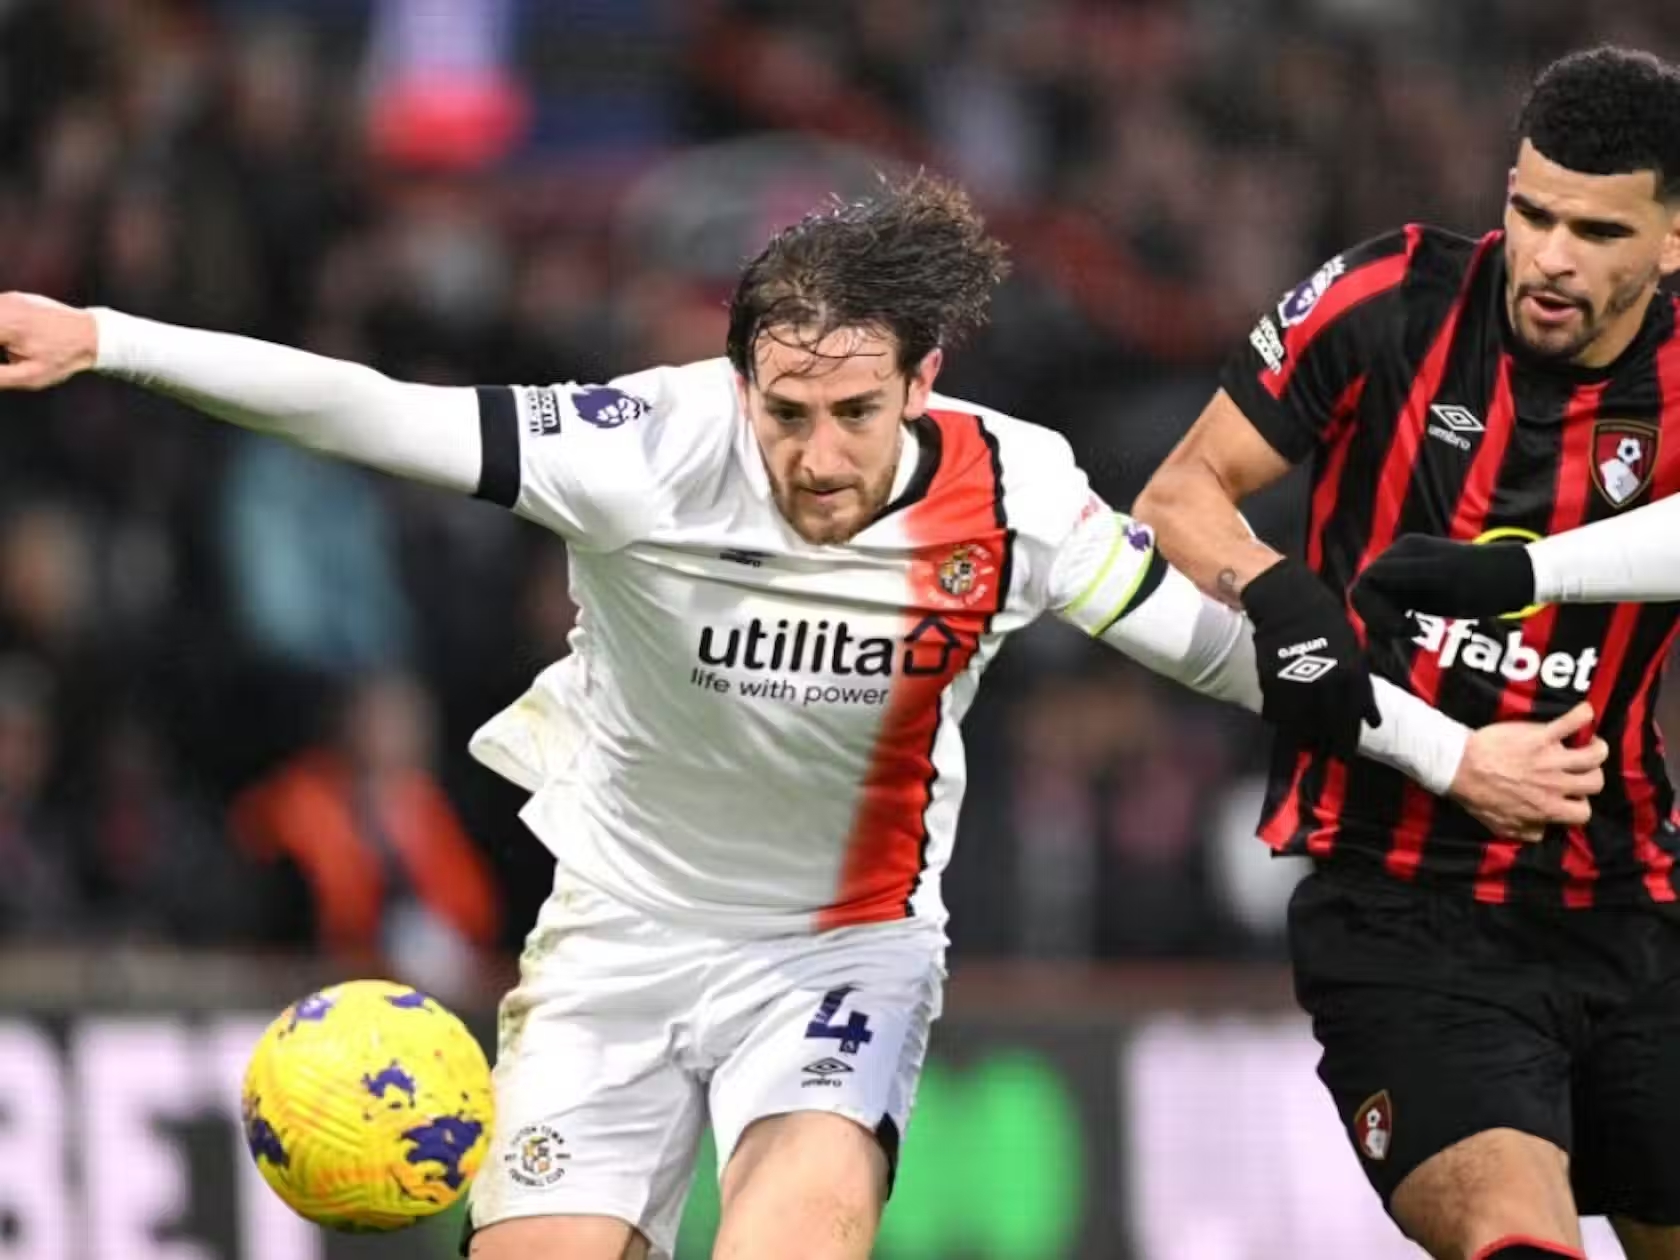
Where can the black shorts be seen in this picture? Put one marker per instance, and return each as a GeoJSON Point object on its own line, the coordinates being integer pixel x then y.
{"type": "Point", "coordinates": [1441, 1017]}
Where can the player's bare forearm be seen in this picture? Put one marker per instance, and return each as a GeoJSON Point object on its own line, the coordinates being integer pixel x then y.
{"type": "Point", "coordinates": [1191, 501]}
{"type": "Point", "coordinates": [1201, 532]}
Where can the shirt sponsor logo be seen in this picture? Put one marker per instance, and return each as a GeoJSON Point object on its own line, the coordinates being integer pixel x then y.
{"type": "Point", "coordinates": [816, 649]}
{"type": "Point", "coordinates": [1457, 642]}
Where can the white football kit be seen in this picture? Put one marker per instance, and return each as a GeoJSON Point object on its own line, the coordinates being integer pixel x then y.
{"type": "Point", "coordinates": [749, 768]}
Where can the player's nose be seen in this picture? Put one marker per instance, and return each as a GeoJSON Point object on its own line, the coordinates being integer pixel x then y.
{"type": "Point", "coordinates": [1556, 256]}
{"type": "Point", "coordinates": [824, 455]}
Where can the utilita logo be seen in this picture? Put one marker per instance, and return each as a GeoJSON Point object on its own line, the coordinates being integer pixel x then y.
{"type": "Point", "coordinates": [1456, 642]}
{"type": "Point", "coordinates": [825, 647]}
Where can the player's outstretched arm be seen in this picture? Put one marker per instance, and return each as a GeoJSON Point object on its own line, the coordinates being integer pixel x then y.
{"type": "Point", "coordinates": [328, 405]}
{"type": "Point", "coordinates": [337, 408]}
{"type": "Point", "coordinates": [1633, 558]}
{"type": "Point", "coordinates": [1516, 777]}
{"type": "Point", "coordinates": [528, 449]}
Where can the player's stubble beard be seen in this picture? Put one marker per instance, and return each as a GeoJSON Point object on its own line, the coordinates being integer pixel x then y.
{"type": "Point", "coordinates": [860, 503]}
{"type": "Point", "coordinates": [1624, 297]}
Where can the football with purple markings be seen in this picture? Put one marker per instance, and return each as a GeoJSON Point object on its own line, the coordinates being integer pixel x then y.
{"type": "Point", "coordinates": [367, 1106]}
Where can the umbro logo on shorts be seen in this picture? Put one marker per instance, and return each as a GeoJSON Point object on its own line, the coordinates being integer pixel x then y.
{"type": "Point", "coordinates": [825, 1072]}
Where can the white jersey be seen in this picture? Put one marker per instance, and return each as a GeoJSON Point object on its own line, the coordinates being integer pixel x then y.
{"type": "Point", "coordinates": [754, 734]}
{"type": "Point", "coordinates": [769, 729]}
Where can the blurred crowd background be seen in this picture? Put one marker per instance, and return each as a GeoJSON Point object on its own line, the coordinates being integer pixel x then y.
{"type": "Point", "coordinates": [236, 681]}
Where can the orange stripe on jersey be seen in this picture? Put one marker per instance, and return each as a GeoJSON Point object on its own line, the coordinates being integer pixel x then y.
{"type": "Point", "coordinates": [959, 579]}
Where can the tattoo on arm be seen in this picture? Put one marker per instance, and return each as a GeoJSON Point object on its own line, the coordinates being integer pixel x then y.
{"type": "Point", "coordinates": [1227, 589]}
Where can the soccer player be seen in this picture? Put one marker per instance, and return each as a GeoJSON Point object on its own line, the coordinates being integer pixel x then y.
{"type": "Point", "coordinates": [793, 564]}
{"type": "Point", "coordinates": [1500, 1022]}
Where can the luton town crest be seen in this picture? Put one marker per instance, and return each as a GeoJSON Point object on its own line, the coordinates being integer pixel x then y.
{"type": "Point", "coordinates": [1624, 457]}
{"type": "Point", "coordinates": [965, 574]}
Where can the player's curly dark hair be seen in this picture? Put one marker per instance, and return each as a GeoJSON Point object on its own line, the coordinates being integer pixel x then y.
{"type": "Point", "coordinates": [1608, 111]}
{"type": "Point", "coordinates": [914, 261]}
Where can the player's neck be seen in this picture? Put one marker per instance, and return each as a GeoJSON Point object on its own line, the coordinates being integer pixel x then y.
{"type": "Point", "coordinates": [909, 455]}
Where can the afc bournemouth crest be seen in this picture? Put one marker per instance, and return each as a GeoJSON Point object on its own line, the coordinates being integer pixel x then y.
{"type": "Point", "coordinates": [965, 574]}
{"type": "Point", "coordinates": [1373, 1126]}
{"type": "Point", "coordinates": [1624, 457]}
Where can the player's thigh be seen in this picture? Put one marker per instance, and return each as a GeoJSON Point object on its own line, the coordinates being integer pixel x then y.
{"type": "Point", "coordinates": [836, 1048]}
{"type": "Point", "coordinates": [597, 1113]}
{"type": "Point", "coordinates": [558, 1238]}
{"type": "Point", "coordinates": [1647, 1242]}
{"type": "Point", "coordinates": [1496, 1184]}
{"type": "Point", "coordinates": [1627, 1113]}
{"type": "Point", "coordinates": [808, 1182]}
{"type": "Point", "coordinates": [1439, 1085]}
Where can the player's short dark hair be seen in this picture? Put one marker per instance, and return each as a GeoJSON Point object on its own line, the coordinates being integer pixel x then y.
{"type": "Point", "coordinates": [1608, 111]}
{"type": "Point", "coordinates": [914, 261]}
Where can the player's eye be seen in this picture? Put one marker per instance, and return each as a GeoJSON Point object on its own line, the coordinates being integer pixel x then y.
{"type": "Point", "coordinates": [787, 417]}
{"type": "Point", "coordinates": [1602, 232]}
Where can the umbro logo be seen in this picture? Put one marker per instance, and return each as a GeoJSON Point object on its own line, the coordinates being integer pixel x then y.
{"type": "Point", "coordinates": [1304, 666]}
{"type": "Point", "coordinates": [1452, 423]}
{"type": "Point", "coordinates": [825, 1072]}
{"type": "Point", "coordinates": [1306, 669]}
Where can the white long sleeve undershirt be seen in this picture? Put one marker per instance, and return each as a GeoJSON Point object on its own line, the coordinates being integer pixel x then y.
{"type": "Point", "coordinates": [425, 432]}
{"type": "Point", "coordinates": [1633, 558]}
{"type": "Point", "coordinates": [1185, 635]}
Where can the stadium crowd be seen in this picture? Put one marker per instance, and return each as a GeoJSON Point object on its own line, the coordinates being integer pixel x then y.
{"type": "Point", "coordinates": [236, 682]}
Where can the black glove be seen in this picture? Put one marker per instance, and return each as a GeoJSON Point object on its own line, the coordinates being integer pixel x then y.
{"type": "Point", "coordinates": [1449, 579]}
{"type": "Point", "coordinates": [1315, 682]}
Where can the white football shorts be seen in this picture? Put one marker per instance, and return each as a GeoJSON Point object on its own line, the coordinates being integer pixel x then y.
{"type": "Point", "coordinates": [625, 1034]}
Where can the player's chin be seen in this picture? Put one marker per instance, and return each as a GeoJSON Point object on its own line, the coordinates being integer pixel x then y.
{"type": "Point", "coordinates": [827, 525]}
{"type": "Point", "coordinates": [1563, 342]}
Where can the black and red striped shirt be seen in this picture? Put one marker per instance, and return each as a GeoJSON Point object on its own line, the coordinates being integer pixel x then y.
{"type": "Point", "coordinates": [1394, 369]}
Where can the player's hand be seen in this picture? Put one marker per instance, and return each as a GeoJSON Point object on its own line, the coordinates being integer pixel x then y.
{"type": "Point", "coordinates": [44, 342]}
{"type": "Point", "coordinates": [1315, 682]}
{"type": "Point", "coordinates": [1518, 777]}
{"type": "Point", "coordinates": [1448, 579]}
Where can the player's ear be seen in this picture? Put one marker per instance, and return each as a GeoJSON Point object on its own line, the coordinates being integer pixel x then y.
{"type": "Point", "coordinates": [1668, 261]}
{"type": "Point", "coordinates": [921, 382]}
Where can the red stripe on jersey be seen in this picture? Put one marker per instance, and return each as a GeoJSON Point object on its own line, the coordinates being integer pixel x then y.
{"type": "Point", "coordinates": [1417, 807]}
{"type": "Point", "coordinates": [1327, 809]}
{"type": "Point", "coordinates": [1281, 827]}
{"type": "Point", "coordinates": [1643, 743]}
{"type": "Point", "coordinates": [1569, 509]}
{"type": "Point", "coordinates": [1579, 865]}
{"type": "Point", "coordinates": [1278, 830]}
{"type": "Point", "coordinates": [1641, 792]}
{"type": "Point", "coordinates": [1398, 465]}
{"type": "Point", "coordinates": [1329, 487]}
{"type": "Point", "coordinates": [1348, 291]}
{"type": "Point", "coordinates": [962, 509]}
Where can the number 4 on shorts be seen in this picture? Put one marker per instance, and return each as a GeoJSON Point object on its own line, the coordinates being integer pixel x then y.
{"type": "Point", "coordinates": [851, 1035]}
